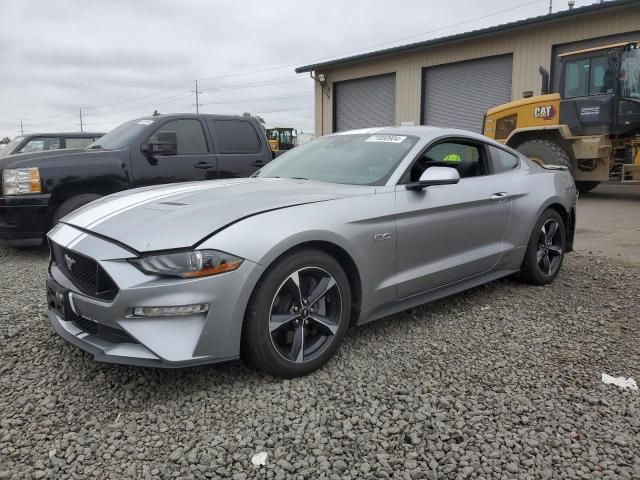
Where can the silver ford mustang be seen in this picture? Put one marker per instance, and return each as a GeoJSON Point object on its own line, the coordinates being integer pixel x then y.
{"type": "Point", "coordinates": [343, 230]}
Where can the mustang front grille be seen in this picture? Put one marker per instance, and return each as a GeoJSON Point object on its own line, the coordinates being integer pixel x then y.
{"type": "Point", "coordinates": [84, 272]}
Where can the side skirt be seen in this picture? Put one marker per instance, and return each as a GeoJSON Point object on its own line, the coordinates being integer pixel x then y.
{"type": "Point", "coordinates": [431, 295]}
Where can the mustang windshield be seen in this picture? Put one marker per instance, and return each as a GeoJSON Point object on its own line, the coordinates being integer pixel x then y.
{"type": "Point", "coordinates": [356, 159]}
{"type": "Point", "coordinates": [121, 136]}
{"type": "Point", "coordinates": [630, 74]}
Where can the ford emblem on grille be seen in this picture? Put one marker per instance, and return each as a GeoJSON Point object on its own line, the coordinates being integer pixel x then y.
{"type": "Point", "coordinates": [69, 261]}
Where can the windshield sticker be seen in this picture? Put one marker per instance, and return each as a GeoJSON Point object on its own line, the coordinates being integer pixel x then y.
{"type": "Point", "coordinates": [145, 122]}
{"type": "Point", "coordinates": [386, 138]}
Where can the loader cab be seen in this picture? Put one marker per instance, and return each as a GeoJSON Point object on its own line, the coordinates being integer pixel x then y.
{"type": "Point", "coordinates": [600, 90]}
{"type": "Point", "coordinates": [281, 139]}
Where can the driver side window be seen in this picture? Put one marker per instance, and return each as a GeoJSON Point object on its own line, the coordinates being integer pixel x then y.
{"type": "Point", "coordinates": [466, 158]}
{"type": "Point", "coordinates": [189, 134]}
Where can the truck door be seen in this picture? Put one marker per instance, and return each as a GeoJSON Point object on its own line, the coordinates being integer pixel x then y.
{"type": "Point", "coordinates": [194, 158]}
{"type": "Point", "coordinates": [239, 147]}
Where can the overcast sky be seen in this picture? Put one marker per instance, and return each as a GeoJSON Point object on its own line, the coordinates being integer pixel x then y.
{"type": "Point", "coordinates": [120, 59]}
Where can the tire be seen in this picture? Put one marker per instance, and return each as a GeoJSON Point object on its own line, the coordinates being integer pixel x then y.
{"type": "Point", "coordinates": [546, 152]}
{"type": "Point", "coordinates": [534, 268]}
{"type": "Point", "coordinates": [72, 204]}
{"type": "Point", "coordinates": [585, 187]}
{"type": "Point", "coordinates": [276, 319]}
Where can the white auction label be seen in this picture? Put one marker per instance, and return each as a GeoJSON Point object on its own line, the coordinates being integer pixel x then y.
{"type": "Point", "coordinates": [386, 138]}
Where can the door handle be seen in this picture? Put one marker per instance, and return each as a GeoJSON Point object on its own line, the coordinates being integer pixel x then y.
{"type": "Point", "coordinates": [203, 165]}
{"type": "Point", "coordinates": [259, 163]}
{"type": "Point", "coordinates": [498, 196]}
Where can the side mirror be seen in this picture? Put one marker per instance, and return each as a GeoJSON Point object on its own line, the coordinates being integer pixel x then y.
{"type": "Point", "coordinates": [167, 144]}
{"type": "Point", "coordinates": [435, 176]}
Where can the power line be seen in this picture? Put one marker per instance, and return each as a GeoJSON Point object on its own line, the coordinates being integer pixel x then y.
{"type": "Point", "coordinates": [280, 67]}
{"type": "Point", "coordinates": [260, 99]}
{"type": "Point", "coordinates": [355, 52]}
{"type": "Point", "coordinates": [264, 83]}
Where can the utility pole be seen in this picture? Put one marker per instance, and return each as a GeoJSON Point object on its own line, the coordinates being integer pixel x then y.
{"type": "Point", "coordinates": [81, 125]}
{"type": "Point", "coordinates": [550, 7]}
{"type": "Point", "coordinates": [196, 91]}
{"type": "Point", "coordinates": [21, 129]}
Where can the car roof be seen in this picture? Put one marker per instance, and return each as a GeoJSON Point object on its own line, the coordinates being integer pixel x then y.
{"type": "Point", "coordinates": [63, 134]}
{"type": "Point", "coordinates": [196, 115]}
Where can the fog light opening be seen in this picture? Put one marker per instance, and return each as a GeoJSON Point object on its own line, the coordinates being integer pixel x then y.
{"type": "Point", "coordinates": [175, 311]}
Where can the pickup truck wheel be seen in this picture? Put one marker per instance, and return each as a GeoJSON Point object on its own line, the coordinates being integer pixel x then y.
{"type": "Point", "coordinates": [546, 152]}
{"type": "Point", "coordinates": [72, 204]}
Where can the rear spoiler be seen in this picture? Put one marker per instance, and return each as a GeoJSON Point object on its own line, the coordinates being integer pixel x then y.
{"type": "Point", "coordinates": [554, 167]}
{"type": "Point", "coordinates": [549, 167]}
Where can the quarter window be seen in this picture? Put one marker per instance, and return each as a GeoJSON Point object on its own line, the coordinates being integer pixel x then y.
{"type": "Point", "coordinates": [189, 133]}
{"type": "Point", "coordinates": [501, 160]}
{"type": "Point", "coordinates": [236, 136]}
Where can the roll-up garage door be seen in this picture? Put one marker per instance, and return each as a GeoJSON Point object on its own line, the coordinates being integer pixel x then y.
{"type": "Point", "coordinates": [556, 68]}
{"type": "Point", "coordinates": [365, 102]}
{"type": "Point", "coordinates": [459, 94]}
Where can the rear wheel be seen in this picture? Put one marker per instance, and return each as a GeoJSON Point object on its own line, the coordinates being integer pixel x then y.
{"type": "Point", "coordinates": [545, 251]}
{"type": "Point", "coordinates": [297, 315]}
{"type": "Point", "coordinates": [72, 204]}
{"type": "Point", "coordinates": [585, 187]}
{"type": "Point", "coordinates": [545, 152]}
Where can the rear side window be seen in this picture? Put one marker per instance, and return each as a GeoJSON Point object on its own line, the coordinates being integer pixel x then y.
{"type": "Point", "coordinates": [236, 136]}
{"type": "Point", "coordinates": [78, 142]}
{"type": "Point", "coordinates": [189, 133]}
{"type": "Point", "coordinates": [502, 160]}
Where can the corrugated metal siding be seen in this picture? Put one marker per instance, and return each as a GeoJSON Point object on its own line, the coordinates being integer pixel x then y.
{"type": "Point", "coordinates": [556, 68]}
{"type": "Point", "coordinates": [366, 102]}
{"type": "Point", "coordinates": [459, 94]}
{"type": "Point", "coordinates": [531, 47]}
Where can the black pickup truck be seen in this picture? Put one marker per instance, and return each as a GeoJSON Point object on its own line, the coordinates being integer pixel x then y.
{"type": "Point", "coordinates": [40, 188]}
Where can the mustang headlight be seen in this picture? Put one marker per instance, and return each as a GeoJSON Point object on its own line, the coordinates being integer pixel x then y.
{"type": "Point", "coordinates": [20, 181]}
{"type": "Point", "coordinates": [190, 264]}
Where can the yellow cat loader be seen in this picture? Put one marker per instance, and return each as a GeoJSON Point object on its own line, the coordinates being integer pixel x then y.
{"type": "Point", "coordinates": [591, 126]}
{"type": "Point", "coordinates": [281, 139]}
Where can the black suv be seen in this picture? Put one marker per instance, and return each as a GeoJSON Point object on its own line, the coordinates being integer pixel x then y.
{"type": "Point", "coordinates": [40, 142]}
{"type": "Point", "coordinates": [40, 188]}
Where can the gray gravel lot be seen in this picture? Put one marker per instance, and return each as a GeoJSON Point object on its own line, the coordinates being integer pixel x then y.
{"type": "Point", "coordinates": [500, 382]}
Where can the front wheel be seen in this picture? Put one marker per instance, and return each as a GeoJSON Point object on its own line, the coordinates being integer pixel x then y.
{"type": "Point", "coordinates": [297, 315]}
{"type": "Point", "coordinates": [545, 251]}
{"type": "Point", "coordinates": [72, 204]}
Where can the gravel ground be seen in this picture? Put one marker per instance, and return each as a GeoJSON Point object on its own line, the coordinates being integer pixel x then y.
{"type": "Point", "coordinates": [500, 382]}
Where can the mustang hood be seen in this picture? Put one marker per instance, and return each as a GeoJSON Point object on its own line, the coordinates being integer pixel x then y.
{"type": "Point", "coordinates": [181, 215]}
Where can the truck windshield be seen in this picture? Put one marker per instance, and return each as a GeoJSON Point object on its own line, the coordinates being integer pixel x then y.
{"type": "Point", "coordinates": [355, 159]}
{"type": "Point", "coordinates": [8, 148]}
{"type": "Point", "coordinates": [630, 74]}
{"type": "Point", "coordinates": [121, 136]}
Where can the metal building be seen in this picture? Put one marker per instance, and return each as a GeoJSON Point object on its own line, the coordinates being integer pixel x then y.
{"type": "Point", "coordinates": [452, 81]}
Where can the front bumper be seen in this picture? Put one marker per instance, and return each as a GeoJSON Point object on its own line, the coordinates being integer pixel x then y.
{"type": "Point", "coordinates": [24, 220]}
{"type": "Point", "coordinates": [106, 330]}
